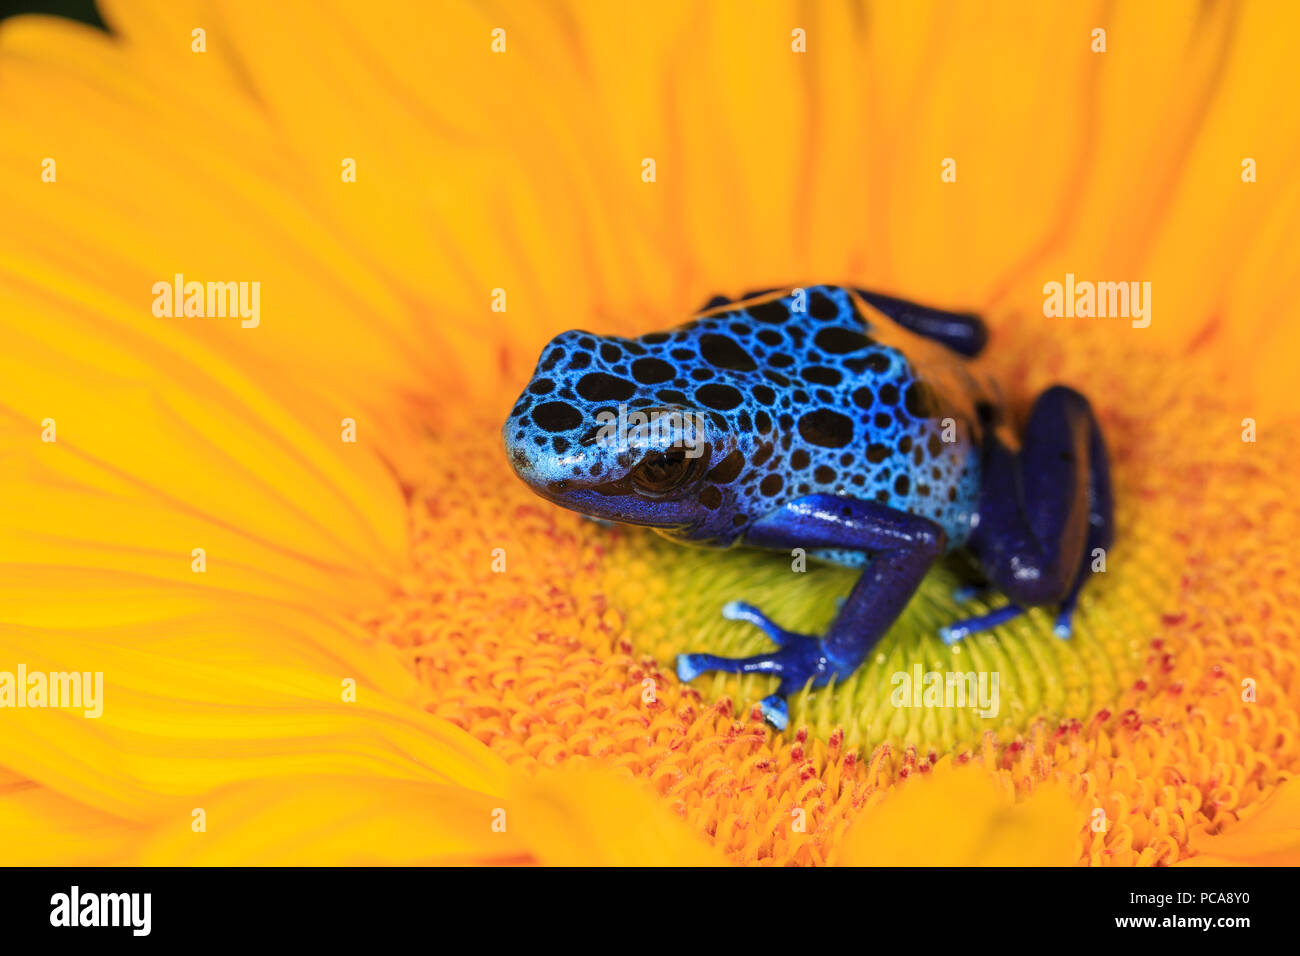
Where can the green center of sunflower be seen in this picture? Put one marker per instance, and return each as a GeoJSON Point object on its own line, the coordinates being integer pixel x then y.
{"type": "Point", "coordinates": [913, 689]}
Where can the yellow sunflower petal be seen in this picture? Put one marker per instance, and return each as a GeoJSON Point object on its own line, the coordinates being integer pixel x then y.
{"type": "Point", "coordinates": [219, 199]}
{"type": "Point", "coordinates": [187, 704]}
{"type": "Point", "coordinates": [961, 817]}
{"type": "Point", "coordinates": [307, 820]}
{"type": "Point", "coordinates": [43, 828]}
{"type": "Point", "coordinates": [583, 818]}
{"type": "Point", "coordinates": [1268, 836]}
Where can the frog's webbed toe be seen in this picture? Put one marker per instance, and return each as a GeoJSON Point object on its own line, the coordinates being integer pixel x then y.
{"type": "Point", "coordinates": [959, 630]}
{"type": "Point", "coordinates": [800, 659]}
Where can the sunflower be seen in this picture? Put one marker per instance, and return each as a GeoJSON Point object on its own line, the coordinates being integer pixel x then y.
{"type": "Point", "coordinates": [331, 626]}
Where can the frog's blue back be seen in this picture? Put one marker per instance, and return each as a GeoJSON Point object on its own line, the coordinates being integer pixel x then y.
{"type": "Point", "coordinates": [818, 392]}
{"type": "Point", "coordinates": [861, 407]}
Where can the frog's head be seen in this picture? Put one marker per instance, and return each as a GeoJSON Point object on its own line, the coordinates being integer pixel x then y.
{"type": "Point", "coordinates": [610, 427]}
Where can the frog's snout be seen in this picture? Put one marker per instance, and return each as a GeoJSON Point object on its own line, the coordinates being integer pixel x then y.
{"type": "Point", "coordinates": [542, 467]}
{"type": "Point", "coordinates": [526, 467]}
{"type": "Point", "coordinates": [519, 459]}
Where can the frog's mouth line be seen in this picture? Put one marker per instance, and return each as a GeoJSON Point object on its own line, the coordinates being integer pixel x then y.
{"type": "Point", "coordinates": [608, 489]}
{"type": "Point", "coordinates": [563, 493]}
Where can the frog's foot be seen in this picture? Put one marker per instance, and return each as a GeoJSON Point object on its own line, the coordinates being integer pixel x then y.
{"type": "Point", "coordinates": [801, 658]}
{"type": "Point", "coordinates": [740, 611]}
{"type": "Point", "coordinates": [959, 630]}
{"type": "Point", "coordinates": [1064, 626]}
{"type": "Point", "coordinates": [969, 592]}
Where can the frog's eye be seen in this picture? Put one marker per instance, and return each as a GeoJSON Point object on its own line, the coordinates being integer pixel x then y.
{"type": "Point", "coordinates": [661, 472]}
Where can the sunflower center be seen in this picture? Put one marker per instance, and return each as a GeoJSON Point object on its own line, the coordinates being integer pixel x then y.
{"type": "Point", "coordinates": [913, 689]}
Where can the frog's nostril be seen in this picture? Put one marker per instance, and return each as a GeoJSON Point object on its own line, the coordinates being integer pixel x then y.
{"type": "Point", "coordinates": [520, 459]}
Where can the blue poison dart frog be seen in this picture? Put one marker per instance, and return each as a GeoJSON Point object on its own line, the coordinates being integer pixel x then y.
{"type": "Point", "coordinates": [847, 423]}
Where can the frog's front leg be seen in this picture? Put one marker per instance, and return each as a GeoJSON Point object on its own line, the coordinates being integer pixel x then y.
{"type": "Point", "coordinates": [902, 547]}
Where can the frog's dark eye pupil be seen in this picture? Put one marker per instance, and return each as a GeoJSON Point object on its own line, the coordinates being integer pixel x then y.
{"type": "Point", "coordinates": [661, 471]}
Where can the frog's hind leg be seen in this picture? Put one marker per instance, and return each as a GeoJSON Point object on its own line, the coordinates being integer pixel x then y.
{"type": "Point", "coordinates": [976, 585]}
{"type": "Point", "coordinates": [963, 332]}
{"type": "Point", "coordinates": [1044, 511]}
{"type": "Point", "coordinates": [1101, 525]}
